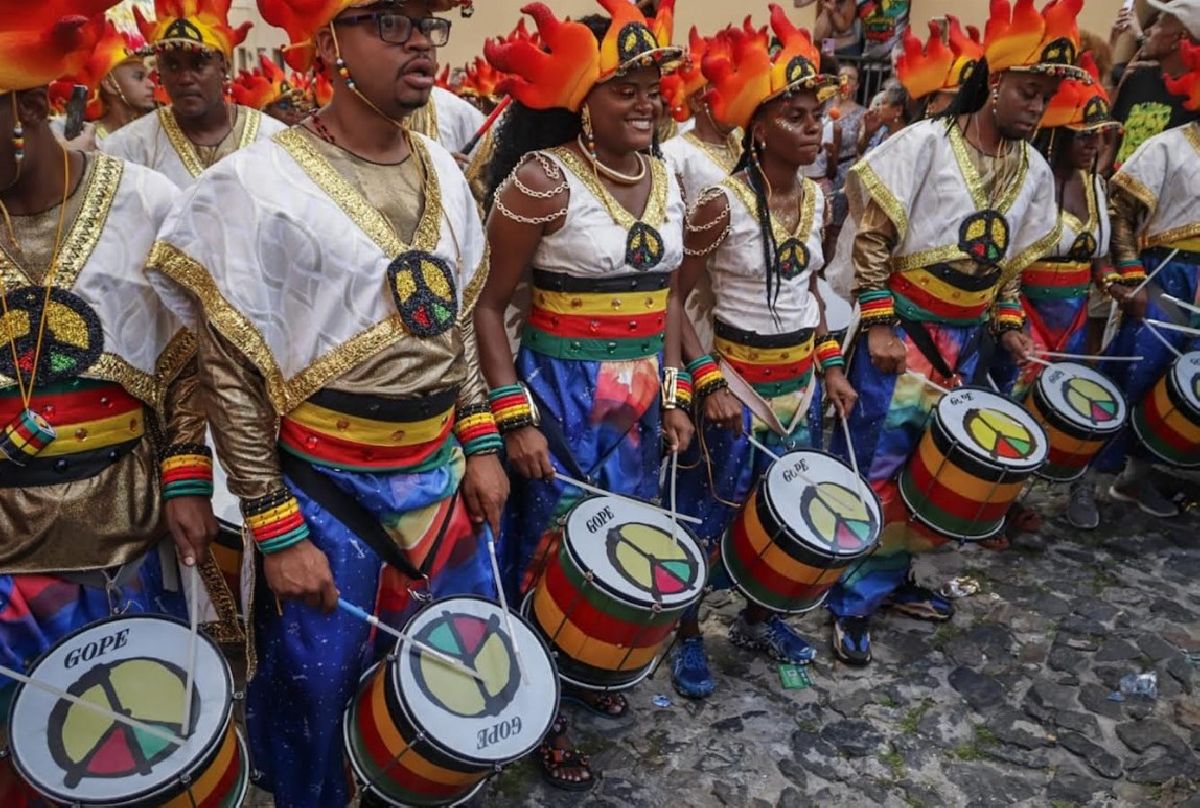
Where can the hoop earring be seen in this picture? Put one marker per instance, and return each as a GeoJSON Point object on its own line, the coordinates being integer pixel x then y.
{"type": "Point", "coordinates": [589, 135]}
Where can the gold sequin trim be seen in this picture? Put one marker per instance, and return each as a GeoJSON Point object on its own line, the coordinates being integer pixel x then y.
{"type": "Point", "coordinates": [227, 627]}
{"type": "Point", "coordinates": [655, 212]}
{"type": "Point", "coordinates": [883, 197]}
{"type": "Point", "coordinates": [1167, 238]}
{"type": "Point", "coordinates": [250, 130]}
{"type": "Point", "coordinates": [471, 293]}
{"type": "Point", "coordinates": [425, 121]}
{"type": "Point", "coordinates": [808, 208]}
{"type": "Point", "coordinates": [1035, 251]}
{"type": "Point", "coordinates": [924, 258]}
{"type": "Point", "coordinates": [179, 142]}
{"type": "Point", "coordinates": [141, 385]}
{"type": "Point", "coordinates": [1089, 193]}
{"type": "Point", "coordinates": [724, 156]}
{"type": "Point", "coordinates": [1134, 187]}
{"type": "Point", "coordinates": [171, 361]}
{"type": "Point", "coordinates": [958, 144]}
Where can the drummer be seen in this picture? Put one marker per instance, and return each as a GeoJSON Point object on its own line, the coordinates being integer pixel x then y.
{"type": "Point", "coordinates": [571, 168]}
{"type": "Point", "coordinates": [104, 386]}
{"type": "Point", "coordinates": [931, 295]}
{"type": "Point", "coordinates": [1054, 291]}
{"type": "Point", "coordinates": [758, 236]}
{"type": "Point", "coordinates": [1155, 218]}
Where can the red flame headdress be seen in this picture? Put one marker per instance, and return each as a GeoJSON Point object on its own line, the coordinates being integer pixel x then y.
{"type": "Point", "coordinates": [689, 78]}
{"type": "Point", "coordinates": [115, 48]}
{"type": "Point", "coordinates": [1187, 85]}
{"type": "Point", "coordinates": [1080, 105]}
{"type": "Point", "coordinates": [1019, 37]}
{"type": "Point", "coordinates": [192, 25]}
{"type": "Point", "coordinates": [939, 66]}
{"type": "Point", "coordinates": [41, 41]}
{"type": "Point", "coordinates": [265, 85]}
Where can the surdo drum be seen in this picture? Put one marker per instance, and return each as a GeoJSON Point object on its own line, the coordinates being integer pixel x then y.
{"type": "Point", "coordinates": [1080, 409]}
{"type": "Point", "coordinates": [1168, 419]}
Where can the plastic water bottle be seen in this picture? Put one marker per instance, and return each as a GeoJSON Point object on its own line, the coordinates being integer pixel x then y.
{"type": "Point", "coordinates": [1140, 684]}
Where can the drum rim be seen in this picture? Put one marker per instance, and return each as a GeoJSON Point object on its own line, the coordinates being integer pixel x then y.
{"type": "Point", "coordinates": [393, 682]}
{"type": "Point", "coordinates": [1074, 428]}
{"type": "Point", "coordinates": [1174, 375]}
{"type": "Point", "coordinates": [625, 597]}
{"type": "Point", "coordinates": [866, 485]}
{"type": "Point", "coordinates": [937, 421]}
{"type": "Point", "coordinates": [772, 606]}
{"type": "Point", "coordinates": [141, 799]}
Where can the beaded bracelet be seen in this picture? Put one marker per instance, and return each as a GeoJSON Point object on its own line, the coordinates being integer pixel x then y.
{"type": "Point", "coordinates": [676, 388]}
{"type": "Point", "coordinates": [877, 307]}
{"type": "Point", "coordinates": [475, 428]}
{"type": "Point", "coordinates": [275, 522]}
{"type": "Point", "coordinates": [187, 471]}
{"type": "Point", "coordinates": [683, 389]}
{"type": "Point", "coordinates": [1010, 316]}
{"type": "Point", "coordinates": [1109, 279]}
{"type": "Point", "coordinates": [829, 353]}
{"type": "Point", "coordinates": [1132, 272]}
{"type": "Point", "coordinates": [706, 376]}
{"type": "Point", "coordinates": [512, 407]}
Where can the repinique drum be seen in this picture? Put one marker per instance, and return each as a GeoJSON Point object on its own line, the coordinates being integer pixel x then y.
{"type": "Point", "coordinates": [1081, 409]}
{"type": "Point", "coordinates": [838, 312]}
{"type": "Point", "coordinates": [137, 667]}
{"type": "Point", "coordinates": [420, 732]}
{"type": "Point", "coordinates": [971, 464]}
{"type": "Point", "coordinates": [1168, 419]}
{"type": "Point", "coordinates": [808, 519]}
{"type": "Point", "coordinates": [610, 599]}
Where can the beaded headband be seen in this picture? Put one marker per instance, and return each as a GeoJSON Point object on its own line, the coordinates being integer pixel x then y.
{"type": "Point", "coordinates": [1022, 39]}
{"type": "Point", "coordinates": [192, 25]}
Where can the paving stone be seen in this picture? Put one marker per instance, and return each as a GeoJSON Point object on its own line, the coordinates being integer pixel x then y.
{"type": "Point", "coordinates": [1141, 735]}
{"type": "Point", "coordinates": [853, 738]}
{"type": "Point", "coordinates": [1156, 648]}
{"type": "Point", "coordinates": [1117, 650]}
{"type": "Point", "coordinates": [1102, 762]}
{"type": "Point", "coordinates": [979, 691]}
{"type": "Point", "coordinates": [1074, 787]}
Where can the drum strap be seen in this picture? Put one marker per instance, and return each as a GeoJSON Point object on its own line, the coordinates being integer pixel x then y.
{"type": "Point", "coordinates": [556, 440]}
{"type": "Point", "coordinates": [113, 578]}
{"type": "Point", "coordinates": [980, 343]}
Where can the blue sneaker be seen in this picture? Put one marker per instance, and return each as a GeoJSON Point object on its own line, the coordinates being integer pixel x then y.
{"type": "Point", "coordinates": [774, 637]}
{"type": "Point", "coordinates": [852, 640]}
{"type": "Point", "coordinates": [689, 671]}
{"type": "Point", "coordinates": [920, 603]}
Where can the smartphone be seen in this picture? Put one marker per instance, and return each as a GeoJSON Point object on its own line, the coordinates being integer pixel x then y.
{"type": "Point", "coordinates": [828, 46]}
{"type": "Point", "coordinates": [75, 109]}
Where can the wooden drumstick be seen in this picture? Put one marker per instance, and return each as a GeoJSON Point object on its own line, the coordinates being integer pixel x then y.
{"type": "Point", "coordinates": [1181, 304]}
{"type": "Point", "coordinates": [1037, 360]}
{"type": "Point", "coordinates": [858, 478]}
{"type": "Point", "coordinates": [512, 632]}
{"type": "Point", "coordinates": [943, 390]}
{"type": "Point", "coordinates": [1085, 357]}
{"type": "Point", "coordinates": [1182, 329]}
{"type": "Point", "coordinates": [194, 619]}
{"type": "Point", "coordinates": [1150, 324]}
{"type": "Point", "coordinates": [601, 492]}
{"type": "Point", "coordinates": [1110, 328]}
{"type": "Point", "coordinates": [350, 608]}
{"type": "Point", "coordinates": [96, 708]}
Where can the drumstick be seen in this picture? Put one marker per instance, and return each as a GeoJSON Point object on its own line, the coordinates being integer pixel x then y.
{"type": "Point", "coordinates": [350, 608]}
{"type": "Point", "coordinates": [96, 708]}
{"type": "Point", "coordinates": [811, 481]}
{"type": "Point", "coordinates": [858, 479]}
{"type": "Point", "coordinates": [1188, 306]}
{"type": "Point", "coordinates": [1182, 329]}
{"type": "Point", "coordinates": [512, 632]}
{"type": "Point", "coordinates": [1170, 257]}
{"type": "Point", "coordinates": [1110, 328]}
{"type": "Point", "coordinates": [194, 618]}
{"type": "Point", "coordinates": [757, 444]}
{"type": "Point", "coordinates": [943, 390]}
{"type": "Point", "coordinates": [601, 492]}
{"type": "Point", "coordinates": [674, 510]}
{"type": "Point", "coordinates": [1085, 357]}
{"type": "Point", "coordinates": [1150, 324]}
{"type": "Point", "coordinates": [1038, 361]}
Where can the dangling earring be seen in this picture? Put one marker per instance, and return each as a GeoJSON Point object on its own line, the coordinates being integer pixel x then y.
{"type": "Point", "coordinates": [589, 135]}
{"type": "Point", "coordinates": [18, 135]}
{"type": "Point", "coordinates": [995, 100]}
{"type": "Point", "coordinates": [344, 72]}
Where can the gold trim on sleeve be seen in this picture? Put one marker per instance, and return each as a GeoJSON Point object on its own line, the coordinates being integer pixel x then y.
{"type": "Point", "coordinates": [875, 188]}
{"type": "Point", "coordinates": [250, 130]}
{"type": "Point", "coordinates": [1132, 186]}
{"type": "Point", "coordinates": [655, 212]}
{"type": "Point", "coordinates": [180, 142]}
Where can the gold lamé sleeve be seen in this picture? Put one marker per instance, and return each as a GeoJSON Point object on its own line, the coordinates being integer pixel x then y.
{"type": "Point", "coordinates": [244, 425]}
{"type": "Point", "coordinates": [873, 244]}
{"type": "Point", "coordinates": [183, 407]}
{"type": "Point", "coordinates": [474, 388]}
{"type": "Point", "coordinates": [1126, 213]}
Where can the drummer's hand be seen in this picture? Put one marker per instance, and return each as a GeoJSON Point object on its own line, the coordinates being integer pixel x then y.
{"type": "Point", "coordinates": [528, 453]}
{"type": "Point", "coordinates": [485, 489]}
{"type": "Point", "coordinates": [839, 390]}
{"type": "Point", "coordinates": [193, 527]}
{"type": "Point", "coordinates": [1018, 344]}
{"type": "Point", "coordinates": [1131, 303]}
{"type": "Point", "coordinates": [677, 430]}
{"type": "Point", "coordinates": [301, 572]}
{"type": "Point", "coordinates": [464, 161]}
{"type": "Point", "coordinates": [887, 352]}
{"type": "Point", "coordinates": [723, 409]}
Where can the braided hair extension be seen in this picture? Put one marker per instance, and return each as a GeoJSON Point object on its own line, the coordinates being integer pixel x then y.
{"type": "Point", "coordinates": [762, 211]}
{"type": "Point", "coordinates": [971, 96]}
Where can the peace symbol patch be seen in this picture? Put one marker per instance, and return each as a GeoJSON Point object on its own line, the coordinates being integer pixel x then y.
{"type": "Point", "coordinates": [791, 259]}
{"type": "Point", "coordinates": [984, 236]}
{"type": "Point", "coordinates": [422, 287]}
{"type": "Point", "coordinates": [644, 247]}
{"type": "Point", "coordinates": [72, 341]}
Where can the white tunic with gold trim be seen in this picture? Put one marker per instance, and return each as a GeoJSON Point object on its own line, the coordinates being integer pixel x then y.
{"type": "Point", "coordinates": [1164, 175]}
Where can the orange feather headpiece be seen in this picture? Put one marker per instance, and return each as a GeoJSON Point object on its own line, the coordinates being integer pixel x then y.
{"type": "Point", "coordinates": [43, 40]}
{"type": "Point", "coordinates": [571, 62]}
{"type": "Point", "coordinates": [748, 76]}
{"type": "Point", "coordinates": [1021, 38]}
{"type": "Point", "coordinates": [263, 86]}
{"type": "Point", "coordinates": [192, 25]}
{"type": "Point", "coordinates": [114, 49]}
{"type": "Point", "coordinates": [1080, 105]}
{"type": "Point", "coordinates": [481, 80]}
{"type": "Point", "coordinates": [301, 19]}
{"type": "Point", "coordinates": [1187, 85]}
{"type": "Point", "coordinates": [689, 78]}
{"type": "Point", "coordinates": [941, 66]}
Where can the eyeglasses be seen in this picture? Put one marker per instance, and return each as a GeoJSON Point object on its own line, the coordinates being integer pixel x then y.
{"type": "Point", "coordinates": [398, 28]}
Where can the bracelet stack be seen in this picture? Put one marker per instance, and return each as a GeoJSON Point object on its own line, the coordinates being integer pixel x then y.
{"type": "Point", "coordinates": [706, 376]}
{"type": "Point", "coordinates": [475, 428]}
{"type": "Point", "coordinates": [877, 307]}
{"type": "Point", "coordinates": [1010, 316]}
{"type": "Point", "coordinates": [275, 522]}
{"type": "Point", "coordinates": [676, 389]}
{"type": "Point", "coordinates": [829, 353]}
{"type": "Point", "coordinates": [187, 471]}
{"type": "Point", "coordinates": [512, 407]}
{"type": "Point", "coordinates": [1132, 272]}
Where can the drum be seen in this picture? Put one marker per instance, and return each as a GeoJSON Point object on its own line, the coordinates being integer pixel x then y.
{"type": "Point", "coordinates": [838, 312]}
{"type": "Point", "coordinates": [1081, 409]}
{"type": "Point", "coordinates": [135, 666]}
{"type": "Point", "coordinates": [971, 463]}
{"type": "Point", "coordinates": [422, 733]}
{"type": "Point", "coordinates": [809, 518]}
{"type": "Point", "coordinates": [1168, 419]}
{"type": "Point", "coordinates": [610, 599]}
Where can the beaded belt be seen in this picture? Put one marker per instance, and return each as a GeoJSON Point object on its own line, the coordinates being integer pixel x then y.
{"type": "Point", "coordinates": [943, 294]}
{"type": "Point", "coordinates": [597, 319]}
{"type": "Point", "coordinates": [370, 433]}
{"type": "Point", "coordinates": [774, 365]}
{"type": "Point", "coordinates": [1056, 280]}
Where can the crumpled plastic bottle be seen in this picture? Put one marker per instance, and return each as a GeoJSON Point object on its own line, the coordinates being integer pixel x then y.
{"type": "Point", "coordinates": [1140, 684]}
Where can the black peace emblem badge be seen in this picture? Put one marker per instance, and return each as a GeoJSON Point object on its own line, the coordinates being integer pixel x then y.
{"type": "Point", "coordinates": [635, 39]}
{"type": "Point", "coordinates": [984, 236]}
{"type": "Point", "coordinates": [422, 286]}
{"type": "Point", "coordinates": [791, 259]}
{"type": "Point", "coordinates": [644, 247]}
{"type": "Point", "coordinates": [71, 338]}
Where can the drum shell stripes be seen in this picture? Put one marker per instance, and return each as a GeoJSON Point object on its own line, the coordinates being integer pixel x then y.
{"type": "Point", "coordinates": [1073, 441]}
{"type": "Point", "coordinates": [1167, 420]}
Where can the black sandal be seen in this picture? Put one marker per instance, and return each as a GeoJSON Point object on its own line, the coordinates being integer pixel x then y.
{"type": "Point", "coordinates": [555, 760]}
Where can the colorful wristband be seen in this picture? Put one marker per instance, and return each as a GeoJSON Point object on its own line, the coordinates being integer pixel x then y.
{"type": "Point", "coordinates": [676, 388]}
{"type": "Point", "coordinates": [829, 353]}
{"type": "Point", "coordinates": [475, 428]}
{"type": "Point", "coordinates": [1010, 316]}
{"type": "Point", "coordinates": [683, 389]}
{"type": "Point", "coordinates": [187, 471]}
{"type": "Point", "coordinates": [877, 307]}
{"type": "Point", "coordinates": [706, 376]}
{"type": "Point", "coordinates": [1132, 272]}
{"type": "Point", "coordinates": [275, 522]}
{"type": "Point", "coordinates": [512, 407]}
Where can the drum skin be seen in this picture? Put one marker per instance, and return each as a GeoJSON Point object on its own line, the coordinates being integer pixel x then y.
{"type": "Point", "coordinates": [1075, 435]}
{"type": "Point", "coordinates": [1167, 420]}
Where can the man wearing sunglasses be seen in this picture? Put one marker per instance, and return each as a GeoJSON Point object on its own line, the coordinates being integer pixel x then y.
{"type": "Point", "coordinates": [331, 275]}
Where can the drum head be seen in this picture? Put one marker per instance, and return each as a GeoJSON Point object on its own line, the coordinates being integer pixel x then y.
{"type": "Point", "coordinates": [824, 503]}
{"type": "Point", "coordinates": [136, 666]}
{"type": "Point", "coordinates": [1187, 379]}
{"type": "Point", "coordinates": [993, 428]}
{"type": "Point", "coordinates": [1083, 396]}
{"type": "Point", "coordinates": [636, 552]}
{"type": "Point", "coordinates": [837, 311]}
{"type": "Point", "coordinates": [489, 722]}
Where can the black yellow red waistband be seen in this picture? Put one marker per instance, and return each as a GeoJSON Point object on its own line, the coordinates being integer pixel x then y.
{"type": "Point", "coordinates": [86, 415]}
{"type": "Point", "coordinates": [1056, 280]}
{"type": "Point", "coordinates": [774, 364]}
{"type": "Point", "coordinates": [942, 293]}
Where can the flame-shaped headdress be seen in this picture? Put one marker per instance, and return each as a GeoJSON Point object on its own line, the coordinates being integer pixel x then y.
{"type": "Point", "coordinates": [301, 19]}
{"type": "Point", "coordinates": [115, 48]}
{"type": "Point", "coordinates": [939, 66]}
{"type": "Point", "coordinates": [481, 80]}
{"type": "Point", "coordinates": [1021, 38]}
{"type": "Point", "coordinates": [571, 62]}
{"type": "Point", "coordinates": [689, 78]}
{"type": "Point", "coordinates": [192, 25]}
{"type": "Point", "coordinates": [43, 40]}
{"type": "Point", "coordinates": [1187, 85]}
{"type": "Point", "coordinates": [265, 85]}
{"type": "Point", "coordinates": [1080, 105]}
{"type": "Point", "coordinates": [752, 77]}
